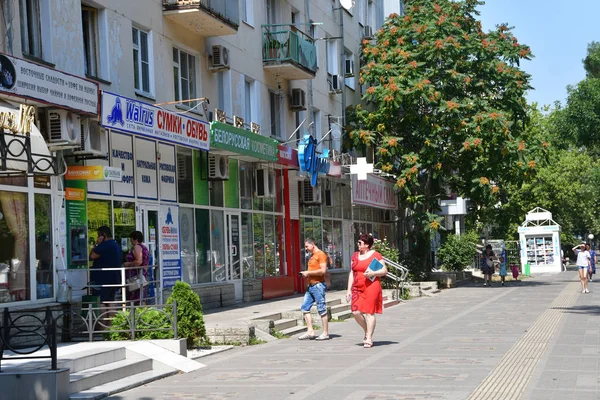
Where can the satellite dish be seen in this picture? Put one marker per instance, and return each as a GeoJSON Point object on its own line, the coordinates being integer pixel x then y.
{"type": "Point", "coordinates": [347, 4]}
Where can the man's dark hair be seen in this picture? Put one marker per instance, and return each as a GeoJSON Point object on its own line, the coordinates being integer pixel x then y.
{"type": "Point", "coordinates": [105, 231]}
{"type": "Point", "coordinates": [137, 235]}
{"type": "Point", "coordinates": [309, 241]}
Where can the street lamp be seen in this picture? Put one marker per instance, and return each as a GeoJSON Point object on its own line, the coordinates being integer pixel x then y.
{"type": "Point", "coordinates": [591, 236]}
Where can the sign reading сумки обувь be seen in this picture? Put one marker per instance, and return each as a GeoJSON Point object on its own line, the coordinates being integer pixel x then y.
{"type": "Point", "coordinates": [25, 79]}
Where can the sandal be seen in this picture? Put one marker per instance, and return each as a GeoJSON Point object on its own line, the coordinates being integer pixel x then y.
{"type": "Point", "coordinates": [322, 337]}
{"type": "Point", "coordinates": [306, 336]}
{"type": "Point", "coordinates": [368, 344]}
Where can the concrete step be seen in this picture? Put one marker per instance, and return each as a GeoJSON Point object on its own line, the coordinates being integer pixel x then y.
{"type": "Point", "coordinates": [390, 303]}
{"type": "Point", "coordinates": [346, 314]}
{"type": "Point", "coordinates": [294, 330]}
{"type": "Point", "coordinates": [282, 324]}
{"type": "Point", "coordinates": [273, 316]}
{"type": "Point", "coordinates": [91, 358]}
{"type": "Point", "coordinates": [120, 385]}
{"type": "Point", "coordinates": [340, 308]}
{"type": "Point", "coordinates": [102, 374]}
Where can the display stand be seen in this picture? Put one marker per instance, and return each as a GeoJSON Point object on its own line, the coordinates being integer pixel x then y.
{"type": "Point", "coordinates": [539, 237]}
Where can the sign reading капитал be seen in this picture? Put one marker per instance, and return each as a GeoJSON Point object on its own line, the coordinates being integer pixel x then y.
{"type": "Point", "coordinates": [22, 78]}
{"type": "Point", "coordinates": [241, 141]}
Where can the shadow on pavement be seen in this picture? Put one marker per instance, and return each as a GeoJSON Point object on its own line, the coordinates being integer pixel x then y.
{"type": "Point", "coordinates": [377, 343]}
{"type": "Point", "coordinates": [591, 310]}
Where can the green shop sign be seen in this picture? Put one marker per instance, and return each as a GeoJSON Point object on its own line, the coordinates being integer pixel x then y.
{"type": "Point", "coordinates": [241, 141]}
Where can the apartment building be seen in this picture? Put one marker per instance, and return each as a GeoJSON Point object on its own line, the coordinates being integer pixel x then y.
{"type": "Point", "coordinates": [185, 120]}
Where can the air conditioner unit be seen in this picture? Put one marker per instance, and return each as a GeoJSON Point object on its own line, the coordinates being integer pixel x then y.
{"type": "Point", "coordinates": [336, 84]}
{"type": "Point", "coordinates": [264, 182]}
{"type": "Point", "coordinates": [64, 127]}
{"type": "Point", "coordinates": [218, 167]}
{"type": "Point", "coordinates": [94, 139]}
{"type": "Point", "coordinates": [298, 100]}
{"type": "Point", "coordinates": [310, 194]}
{"type": "Point", "coordinates": [368, 32]}
{"type": "Point", "coordinates": [220, 58]}
{"type": "Point", "coordinates": [349, 67]}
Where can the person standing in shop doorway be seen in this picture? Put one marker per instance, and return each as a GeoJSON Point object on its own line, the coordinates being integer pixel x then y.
{"type": "Point", "coordinates": [317, 267]}
{"type": "Point", "coordinates": [583, 264]}
{"type": "Point", "coordinates": [106, 254]}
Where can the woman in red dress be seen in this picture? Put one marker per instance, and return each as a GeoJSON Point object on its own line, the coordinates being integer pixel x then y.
{"type": "Point", "coordinates": [365, 294]}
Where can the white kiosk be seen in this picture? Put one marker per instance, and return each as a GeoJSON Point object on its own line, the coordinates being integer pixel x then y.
{"type": "Point", "coordinates": [539, 237]}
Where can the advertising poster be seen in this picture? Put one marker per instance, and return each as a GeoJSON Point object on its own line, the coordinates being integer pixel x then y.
{"type": "Point", "coordinates": [121, 156]}
{"type": "Point", "coordinates": [145, 169]}
{"type": "Point", "coordinates": [167, 171]}
{"type": "Point", "coordinates": [169, 245]}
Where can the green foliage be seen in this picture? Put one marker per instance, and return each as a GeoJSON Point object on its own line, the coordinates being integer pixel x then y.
{"type": "Point", "coordinates": [386, 249]}
{"type": "Point", "coordinates": [457, 252]}
{"type": "Point", "coordinates": [279, 335]}
{"type": "Point", "coordinates": [591, 62]}
{"type": "Point", "coordinates": [255, 341]}
{"type": "Point", "coordinates": [146, 318]}
{"type": "Point", "coordinates": [190, 321]}
{"type": "Point", "coordinates": [446, 108]}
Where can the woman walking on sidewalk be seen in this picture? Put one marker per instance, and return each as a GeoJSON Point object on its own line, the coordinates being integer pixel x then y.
{"type": "Point", "coordinates": [364, 287]}
{"type": "Point", "coordinates": [583, 264]}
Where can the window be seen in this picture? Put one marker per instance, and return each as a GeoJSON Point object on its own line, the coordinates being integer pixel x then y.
{"type": "Point", "coordinates": [271, 8]}
{"type": "Point", "coordinates": [349, 81]}
{"type": "Point", "coordinates": [316, 127]}
{"type": "Point", "coordinates": [31, 29]}
{"type": "Point", "coordinates": [43, 247]}
{"type": "Point", "coordinates": [224, 91]}
{"type": "Point", "coordinates": [185, 175]}
{"type": "Point", "coordinates": [248, 11]}
{"type": "Point", "coordinates": [141, 60]}
{"type": "Point", "coordinates": [333, 61]}
{"type": "Point", "coordinates": [248, 101]}
{"type": "Point", "coordinates": [89, 22]}
{"type": "Point", "coordinates": [300, 117]}
{"type": "Point", "coordinates": [275, 105]}
{"type": "Point", "coordinates": [184, 76]}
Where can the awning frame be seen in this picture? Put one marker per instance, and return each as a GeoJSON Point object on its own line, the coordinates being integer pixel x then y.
{"type": "Point", "coordinates": [14, 148]}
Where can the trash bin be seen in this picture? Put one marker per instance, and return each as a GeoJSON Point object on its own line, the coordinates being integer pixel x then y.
{"type": "Point", "coordinates": [85, 303]}
{"type": "Point", "coordinates": [527, 269]}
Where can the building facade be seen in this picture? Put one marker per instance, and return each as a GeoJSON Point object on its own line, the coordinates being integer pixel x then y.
{"type": "Point", "coordinates": [184, 120]}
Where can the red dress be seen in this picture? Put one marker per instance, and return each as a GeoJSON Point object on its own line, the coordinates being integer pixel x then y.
{"type": "Point", "coordinates": [366, 295]}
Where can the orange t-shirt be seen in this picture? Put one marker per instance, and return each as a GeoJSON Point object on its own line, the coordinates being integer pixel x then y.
{"type": "Point", "coordinates": [314, 264]}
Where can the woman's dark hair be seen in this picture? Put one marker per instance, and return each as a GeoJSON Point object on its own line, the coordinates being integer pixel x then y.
{"type": "Point", "coordinates": [489, 246]}
{"type": "Point", "coordinates": [137, 235]}
{"type": "Point", "coordinates": [366, 239]}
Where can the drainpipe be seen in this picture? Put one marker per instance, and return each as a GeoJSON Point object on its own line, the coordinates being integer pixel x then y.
{"type": "Point", "coordinates": [343, 65]}
{"type": "Point", "coordinates": [310, 81]}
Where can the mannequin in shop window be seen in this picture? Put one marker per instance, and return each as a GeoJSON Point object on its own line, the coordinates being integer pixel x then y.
{"type": "Point", "coordinates": [14, 210]}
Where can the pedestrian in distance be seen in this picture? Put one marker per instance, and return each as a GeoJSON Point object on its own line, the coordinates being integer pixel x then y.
{"type": "Point", "coordinates": [487, 268]}
{"type": "Point", "coordinates": [364, 287]}
{"type": "Point", "coordinates": [583, 264]}
{"type": "Point", "coordinates": [502, 269]}
{"type": "Point", "coordinates": [315, 293]}
{"type": "Point", "coordinates": [592, 269]}
{"type": "Point", "coordinates": [515, 272]}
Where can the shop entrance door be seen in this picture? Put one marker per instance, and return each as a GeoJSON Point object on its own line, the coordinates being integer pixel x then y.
{"type": "Point", "coordinates": [147, 223]}
{"type": "Point", "coordinates": [234, 266]}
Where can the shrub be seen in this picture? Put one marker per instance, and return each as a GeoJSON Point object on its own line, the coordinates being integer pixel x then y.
{"type": "Point", "coordinates": [147, 318]}
{"type": "Point", "coordinates": [386, 249]}
{"type": "Point", "coordinates": [190, 321]}
{"type": "Point", "coordinates": [458, 252]}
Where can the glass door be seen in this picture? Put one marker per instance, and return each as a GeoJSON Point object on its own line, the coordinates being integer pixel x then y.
{"type": "Point", "coordinates": [234, 266]}
{"type": "Point", "coordinates": [147, 223]}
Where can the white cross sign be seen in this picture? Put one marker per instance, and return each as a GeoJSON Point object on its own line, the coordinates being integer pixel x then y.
{"type": "Point", "coordinates": [361, 168]}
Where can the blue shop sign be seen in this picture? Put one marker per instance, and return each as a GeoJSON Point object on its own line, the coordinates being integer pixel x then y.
{"type": "Point", "coordinates": [310, 161]}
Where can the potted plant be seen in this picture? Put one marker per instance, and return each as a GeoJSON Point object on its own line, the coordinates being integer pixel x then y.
{"type": "Point", "coordinates": [271, 47]}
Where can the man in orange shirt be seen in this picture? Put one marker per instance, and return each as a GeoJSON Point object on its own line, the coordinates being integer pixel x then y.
{"type": "Point", "coordinates": [317, 267]}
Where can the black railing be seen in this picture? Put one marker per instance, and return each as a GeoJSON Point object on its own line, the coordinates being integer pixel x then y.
{"type": "Point", "coordinates": [17, 157]}
{"type": "Point", "coordinates": [18, 330]}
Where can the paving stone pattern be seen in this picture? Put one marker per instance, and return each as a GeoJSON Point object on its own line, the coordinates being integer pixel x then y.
{"type": "Point", "coordinates": [537, 339]}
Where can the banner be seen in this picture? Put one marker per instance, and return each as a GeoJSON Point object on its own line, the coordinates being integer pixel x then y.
{"type": "Point", "coordinates": [93, 173]}
{"type": "Point", "coordinates": [141, 118]}
{"type": "Point", "coordinates": [76, 208]}
{"type": "Point", "coordinates": [145, 169]}
{"type": "Point", "coordinates": [169, 245]}
{"type": "Point", "coordinates": [121, 156]}
{"type": "Point", "coordinates": [241, 141]}
{"type": "Point", "coordinates": [375, 191]}
{"type": "Point", "coordinates": [167, 171]}
{"type": "Point", "coordinates": [34, 81]}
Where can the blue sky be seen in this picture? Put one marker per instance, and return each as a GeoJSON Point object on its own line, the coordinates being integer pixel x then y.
{"type": "Point", "coordinates": [558, 33]}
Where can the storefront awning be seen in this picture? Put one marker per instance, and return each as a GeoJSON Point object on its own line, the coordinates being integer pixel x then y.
{"type": "Point", "coordinates": [23, 150]}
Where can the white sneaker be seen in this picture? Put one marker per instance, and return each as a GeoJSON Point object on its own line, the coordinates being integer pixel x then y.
{"type": "Point", "coordinates": [587, 291]}
{"type": "Point", "coordinates": [583, 291]}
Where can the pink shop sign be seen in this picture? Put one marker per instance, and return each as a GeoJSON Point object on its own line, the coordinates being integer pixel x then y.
{"type": "Point", "coordinates": [375, 192]}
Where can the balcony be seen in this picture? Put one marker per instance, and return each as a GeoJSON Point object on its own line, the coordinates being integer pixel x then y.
{"type": "Point", "coordinates": [204, 17]}
{"type": "Point", "coordinates": [289, 52]}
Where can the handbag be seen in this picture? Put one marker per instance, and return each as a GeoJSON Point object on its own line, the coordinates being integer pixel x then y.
{"type": "Point", "coordinates": [136, 281]}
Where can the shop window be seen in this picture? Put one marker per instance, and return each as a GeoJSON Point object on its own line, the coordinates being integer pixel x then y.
{"type": "Point", "coordinates": [279, 203]}
{"type": "Point", "coordinates": [185, 175]}
{"type": "Point", "coordinates": [99, 214]}
{"type": "Point", "coordinates": [270, 250]}
{"type": "Point", "coordinates": [247, 246]}
{"type": "Point", "coordinates": [280, 250]}
{"type": "Point", "coordinates": [141, 61]}
{"type": "Point", "coordinates": [217, 254]}
{"type": "Point", "coordinates": [31, 28]}
{"type": "Point", "coordinates": [259, 245]}
{"type": "Point", "coordinates": [188, 248]}
{"type": "Point", "coordinates": [246, 182]}
{"type": "Point", "coordinates": [43, 247]}
{"type": "Point", "coordinates": [203, 253]}
{"type": "Point", "coordinates": [14, 252]}
{"type": "Point", "coordinates": [216, 193]}
{"type": "Point", "coordinates": [338, 245]}
{"type": "Point", "coordinates": [124, 217]}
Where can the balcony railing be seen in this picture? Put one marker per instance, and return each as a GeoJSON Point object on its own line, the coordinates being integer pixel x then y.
{"type": "Point", "coordinates": [216, 13]}
{"type": "Point", "coordinates": [288, 44]}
